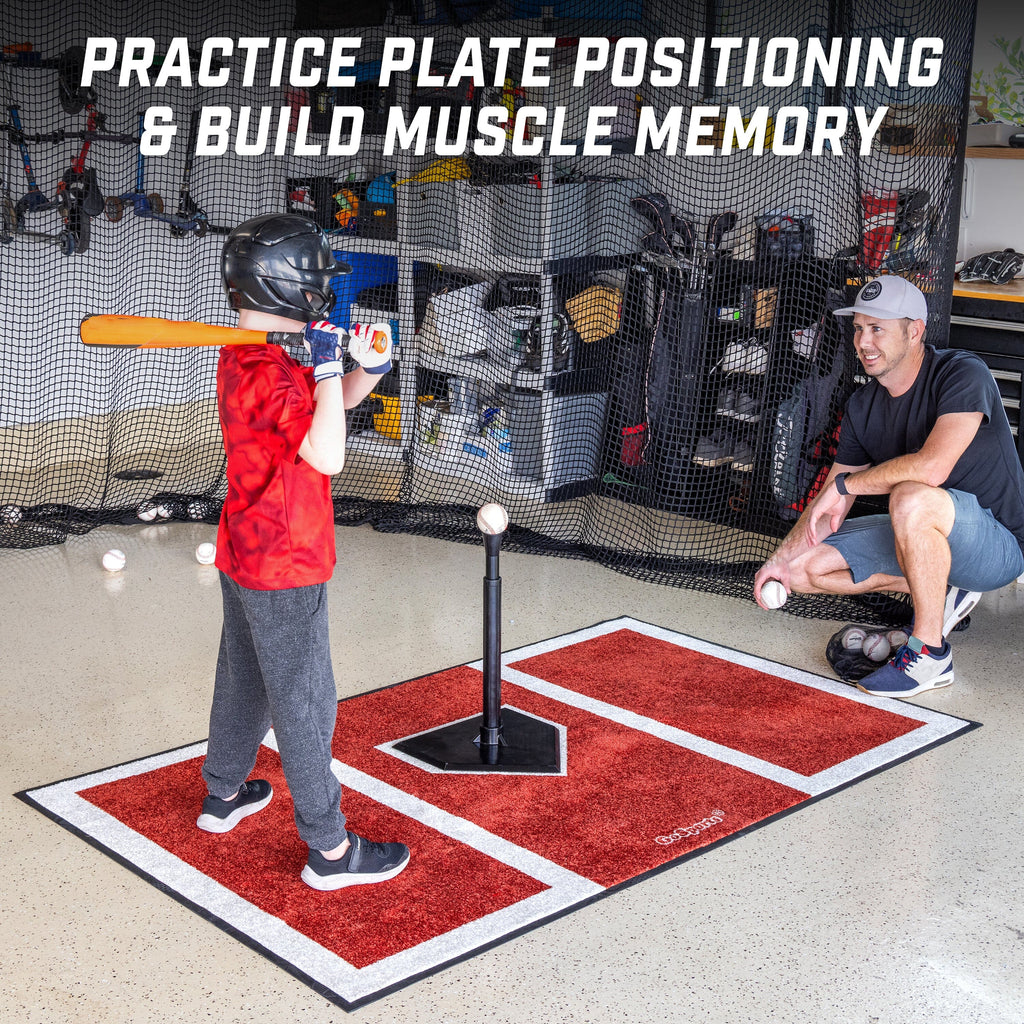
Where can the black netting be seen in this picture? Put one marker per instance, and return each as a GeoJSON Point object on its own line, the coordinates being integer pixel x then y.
{"type": "Point", "coordinates": [625, 341]}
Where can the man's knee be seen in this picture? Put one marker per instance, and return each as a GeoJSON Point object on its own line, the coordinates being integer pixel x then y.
{"type": "Point", "coordinates": [917, 506]}
{"type": "Point", "coordinates": [814, 572]}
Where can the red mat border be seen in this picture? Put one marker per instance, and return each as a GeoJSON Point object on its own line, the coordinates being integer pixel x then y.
{"type": "Point", "coordinates": [348, 1005]}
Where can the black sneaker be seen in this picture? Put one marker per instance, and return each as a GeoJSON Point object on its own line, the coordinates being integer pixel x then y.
{"type": "Point", "coordinates": [223, 815]}
{"type": "Point", "coordinates": [364, 862]}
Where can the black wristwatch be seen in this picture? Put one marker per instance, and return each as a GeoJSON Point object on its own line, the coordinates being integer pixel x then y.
{"type": "Point", "coordinates": [840, 482]}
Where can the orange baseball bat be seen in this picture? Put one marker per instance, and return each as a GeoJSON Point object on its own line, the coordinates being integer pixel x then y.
{"type": "Point", "coordinates": [156, 332]}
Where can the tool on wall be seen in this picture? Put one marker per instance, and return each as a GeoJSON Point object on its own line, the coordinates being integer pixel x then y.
{"type": "Point", "coordinates": [150, 205]}
{"type": "Point", "coordinates": [190, 216]}
{"type": "Point", "coordinates": [78, 196]}
{"type": "Point", "coordinates": [33, 201]}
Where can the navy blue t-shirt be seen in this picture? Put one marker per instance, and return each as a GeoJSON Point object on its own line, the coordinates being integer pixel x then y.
{"type": "Point", "coordinates": [877, 427]}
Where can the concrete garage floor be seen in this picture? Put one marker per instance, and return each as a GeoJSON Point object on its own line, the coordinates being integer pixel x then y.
{"type": "Point", "coordinates": [895, 901]}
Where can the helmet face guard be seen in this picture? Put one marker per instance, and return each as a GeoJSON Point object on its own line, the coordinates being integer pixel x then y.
{"type": "Point", "coordinates": [282, 264]}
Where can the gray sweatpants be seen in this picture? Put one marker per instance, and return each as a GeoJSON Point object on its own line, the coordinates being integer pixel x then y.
{"type": "Point", "coordinates": [274, 667]}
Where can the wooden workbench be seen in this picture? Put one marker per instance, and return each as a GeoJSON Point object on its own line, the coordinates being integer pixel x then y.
{"type": "Point", "coordinates": [1012, 291]}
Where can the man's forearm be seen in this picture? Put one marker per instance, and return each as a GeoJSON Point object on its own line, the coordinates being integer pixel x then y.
{"type": "Point", "coordinates": [931, 464]}
{"type": "Point", "coordinates": [795, 542]}
{"type": "Point", "coordinates": [881, 479]}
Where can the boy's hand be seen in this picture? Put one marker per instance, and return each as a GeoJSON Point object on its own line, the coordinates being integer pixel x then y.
{"type": "Point", "coordinates": [370, 346]}
{"type": "Point", "coordinates": [326, 345]}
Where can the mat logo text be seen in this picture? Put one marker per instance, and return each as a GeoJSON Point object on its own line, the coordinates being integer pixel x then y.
{"type": "Point", "coordinates": [689, 831]}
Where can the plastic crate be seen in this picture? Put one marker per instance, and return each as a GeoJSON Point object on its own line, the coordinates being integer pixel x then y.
{"type": "Point", "coordinates": [368, 269]}
{"type": "Point", "coordinates": [560, 443]}
{"type": "Point", "coordinates": [518, 221]}
{"type": "Point", "coordinates": [432, 214]}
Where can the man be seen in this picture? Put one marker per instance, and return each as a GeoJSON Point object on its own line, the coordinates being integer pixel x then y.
{"type": "Point", "coordinates": [929, 431]}
{"type": "Point", "coordinates": [284, 435]}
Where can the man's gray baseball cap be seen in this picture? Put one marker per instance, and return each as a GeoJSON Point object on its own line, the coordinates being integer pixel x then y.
{"type": "Point", "coordinates": [889, 298]}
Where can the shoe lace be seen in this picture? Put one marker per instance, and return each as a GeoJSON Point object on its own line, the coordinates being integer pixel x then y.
{"type": "Point", "coordinates": [905, 657]}
{"type": "Point", "coordinates": [371, 847]}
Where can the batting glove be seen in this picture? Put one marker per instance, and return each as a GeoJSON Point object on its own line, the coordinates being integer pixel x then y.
{"type": "Point", "coordinates": [326, 345]}
{"type": "Point", "coordinates": [370, 346]}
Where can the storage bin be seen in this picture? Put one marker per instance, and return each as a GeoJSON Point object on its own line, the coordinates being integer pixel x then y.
{"type": "Point", "coordinates": [431, 211]}
{"type": "Point", "coordinates": [456, 324]}
{"type": "Point", "coordinates": [615, 227]}
{"type": "Point", "coordinates": [559, 443]}
{"type": "Point", "coordinates": [368, 269]}
{"type": "Point", "coordinates": [475, 205]}
{"type": "Point", "coordinates": [519, 229]}
{"type": "Point", "coordinates": [377, 220]}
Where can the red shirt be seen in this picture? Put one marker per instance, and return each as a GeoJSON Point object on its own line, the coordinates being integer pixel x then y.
{"type": "Point", "coordinates": [277, 525]}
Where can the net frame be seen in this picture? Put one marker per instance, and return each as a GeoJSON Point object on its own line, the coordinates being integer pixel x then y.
{"type": "Point", "coordinates": [594, 441]}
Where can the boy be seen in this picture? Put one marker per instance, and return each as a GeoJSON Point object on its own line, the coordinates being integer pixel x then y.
{"type": "Point", "coordinates": [284, 435]}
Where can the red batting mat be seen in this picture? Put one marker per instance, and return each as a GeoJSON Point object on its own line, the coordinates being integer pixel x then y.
{"type": "Point", "coordinates": [670, 746]}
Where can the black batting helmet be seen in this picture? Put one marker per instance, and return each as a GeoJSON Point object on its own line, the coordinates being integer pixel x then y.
{"type": "Point", "coordinates": [280, 263]}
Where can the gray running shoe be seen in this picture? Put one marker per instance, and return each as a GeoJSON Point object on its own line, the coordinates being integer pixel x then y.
{"type": "Point", "coordinates": [363, 863]}
{"type": "Point", "coordinates": [749, 356]}
{"type": "Point", "coordinates": [913, 669]}
{"type": "Point", "coordinates": [747, 408]}
{"type": "Point", "coordinates": [743, 457]}
{"type": "Point", "coordinates": [223, 815]}
{"type": "Point", "coordinates": [715, 450]}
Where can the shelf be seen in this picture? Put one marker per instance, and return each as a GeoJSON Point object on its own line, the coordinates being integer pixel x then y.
{"type": "Point", "coordinates": [484, 369]}
{"type": "Point", "coordinates": [485, 262]}
{"type": "Point", "coordinates": [994, 152]}
{"type": "Point", "coordinates": [450, 227]}
{"type": "Point", "coordinates": [472, 469]}
{"type": "Point", "coordinates": [1012, 291]}
{"type": "Point", "coordinates": [944, 151]}
{"type": "Point", "coordinates": [345, 242]}
{"type": "Point", "coordinates": [369, 442]}
{"type": "Point", "coordinates": [491, 263]}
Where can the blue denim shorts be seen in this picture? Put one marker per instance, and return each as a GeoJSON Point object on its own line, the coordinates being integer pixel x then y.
{"type": "Point", "coordinates": [985, 555]}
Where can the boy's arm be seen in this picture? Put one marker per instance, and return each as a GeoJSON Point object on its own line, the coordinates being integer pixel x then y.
{"type": "Point", "coordinates": [323, 447]}
{"type": "Point", "coordinates": [358, 383]}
